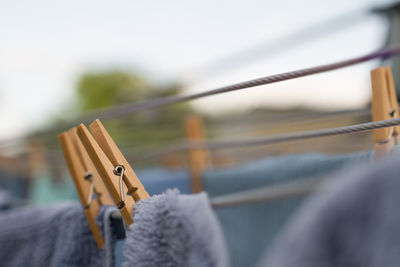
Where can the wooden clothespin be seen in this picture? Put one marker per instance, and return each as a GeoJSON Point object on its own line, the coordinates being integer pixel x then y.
{"type": "Point", "coordinates": [86, 182]}
{"type": "Point", "coordinates": [102, 195]}
{"type": "Point", "coordinates": [37, 158]}
{"type": "Point", "coordinates": [113, 168]}
{"type": "Point", "coordinates": [384, 107]}
{"type": "Point", "coordinates": [199, 159]}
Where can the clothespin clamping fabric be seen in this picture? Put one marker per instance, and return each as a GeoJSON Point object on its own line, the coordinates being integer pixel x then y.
{"type": "Point", "coordinates": [91, 190]}
{"type": "Point", "coordinates": [118, 176]}
{"type": "Point", "coordinates": [384, 107]}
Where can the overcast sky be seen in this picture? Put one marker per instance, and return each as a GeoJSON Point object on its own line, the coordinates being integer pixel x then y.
{"type": "Point", "coordinates": [45, 45]}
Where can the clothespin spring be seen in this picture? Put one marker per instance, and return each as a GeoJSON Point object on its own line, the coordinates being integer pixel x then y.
{"type": "Point", "coordinates": [119, 171]}
{"type": "Point", "coordinates": [89, 177]}
{"type": "Point", "coordinates": [392, 114]}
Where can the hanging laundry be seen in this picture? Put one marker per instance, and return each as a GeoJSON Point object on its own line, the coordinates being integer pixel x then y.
{"type": "Point", "coordinates": [53, 235]}
{"type": "Point", "coordinates": [177, 231]}
{"type": "Point", "coordinates": [352, 220]}
{"type": "Point", "coordinates": [250, 228]}
{"type": "Point", "coordinates": [157, 180]}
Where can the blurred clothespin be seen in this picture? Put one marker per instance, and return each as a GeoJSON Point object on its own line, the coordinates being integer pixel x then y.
{"type": "Point", "coordinates": [86, 180]}
{"type": "Point", "coordinates": [37, 157]}
{"type": "Point", "coordinates": [384, 107]}
{"type": "Point", "coordinates": [113, 168]}
{"type": "Point", "coordinates": [199, 159]}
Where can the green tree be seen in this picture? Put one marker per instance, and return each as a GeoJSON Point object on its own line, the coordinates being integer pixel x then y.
{"type": "Point", "coordinates": [107, 89]}
{"type": "Point", "coordinates": [140, 131]}
{"type": "Point", "coordinates": [136, 133]}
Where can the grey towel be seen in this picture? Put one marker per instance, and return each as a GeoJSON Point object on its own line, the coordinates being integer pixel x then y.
{"type": "Point", "coordinates": [173, 230]}
{"type": "Point", "coordinates": [52, 235]}
{"type": "Point", "coordinates": [353, 220]}
{"type": "Point", "coordinates": [249, 229]}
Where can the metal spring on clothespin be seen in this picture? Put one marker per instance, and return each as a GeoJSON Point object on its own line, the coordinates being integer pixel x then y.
{"type": "Point", "coordinates": [109, 161]}
{"type": "Point", "coordinates": [119, 171]}
{"type": "Point", "coordinates": [89, 177]}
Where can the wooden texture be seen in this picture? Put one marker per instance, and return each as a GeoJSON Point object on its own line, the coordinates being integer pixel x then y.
{"type": "Point", "coordinates": [77, 172]}
{"type": "Point", "coordinates": [394, 105]}
{"type": "Point", "coordinates": [380, 103]}
{"type": "Point", "coordinates": [384, 107]}
{"type": "Point", "coordinates": [105, 169]}
{"type": "Point", "coordinates": [101, 191]}
{"type": "Point", "coordinates": [198, 157]}
{"type": "Point", "coordinates": [132, 182]}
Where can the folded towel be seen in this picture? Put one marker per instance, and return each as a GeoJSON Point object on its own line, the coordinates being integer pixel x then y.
{"type": "Point", "coordinates": [173, 230]}
{"type": "Point", "coordinates": [52, 235]}
{"type": "Point", "coordinates": [352, 220]}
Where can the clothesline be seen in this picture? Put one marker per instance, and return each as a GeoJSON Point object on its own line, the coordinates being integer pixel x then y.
{"type": "Point", "coordinates": [331, 116]}
{"type": "Point", "coordinates": [266, 193]}
{"type": "Point", "coordinates": [115, 112]}
{"type": "Point", "coordinates": [215, 145]}
{"type": "Point", "coordinates": [54, 154]}
{"type": "Point", "coordinates": [193, 144]}
{"type": "Point", "coordinates": [294, 117]}
{"type": "Point", "coordinates": [126, 109]}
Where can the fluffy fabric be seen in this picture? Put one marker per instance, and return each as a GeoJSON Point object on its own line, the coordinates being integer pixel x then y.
{"type": "Point", "coordinates": [156, 181]}
{"type": "Point", "coordinates": [173, 230]}
{"type": "Point", "coordinates": [351, 221]}
{"type": "Point", "coordinates": [249, 229]}
{"type": "Point", "coordinates": [52, 235]}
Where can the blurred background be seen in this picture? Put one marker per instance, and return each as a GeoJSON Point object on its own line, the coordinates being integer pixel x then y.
{"type": "Point", "coordinates": [60, 60]}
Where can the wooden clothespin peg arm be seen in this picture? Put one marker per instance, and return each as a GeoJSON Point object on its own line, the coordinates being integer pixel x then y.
{"type": "Point", "coordinates": [106, 171]}
{"type": "Point", "coordinates": [103, 196]}
{"type": "Point", "coordinates": [83, 187]}
{"type": "Point", "coordinates": [382, 109]}
{"type": "Point", "coordinates": [198, 157]}
{"type": "Point", "coordinates": [107, 144]}
{"type": "Point", "coordinates": [392, 98]}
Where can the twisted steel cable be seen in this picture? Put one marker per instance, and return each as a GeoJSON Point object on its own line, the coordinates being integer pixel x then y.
{"type": "Point", "coordinates": [159, 102]}
{"type": "Point", "coordinates": [163, 101]}
{"type": "Point", "coordinates": [282, 191]}
{"type": "Point", "coordinates": [214, 145]}
{"type": "Point", "coordinates": [357, 128]}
